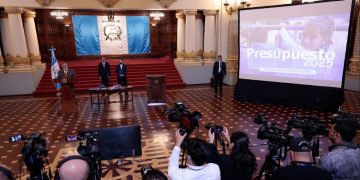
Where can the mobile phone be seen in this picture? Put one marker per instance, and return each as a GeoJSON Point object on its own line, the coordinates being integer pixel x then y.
{"type": "Point", "coordinates": [16, 138]}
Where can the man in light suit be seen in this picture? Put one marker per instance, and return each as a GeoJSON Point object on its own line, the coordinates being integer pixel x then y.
{"type": "Point", "coordinates": [219, 72]}
{"type": "Point", "coordinates": [121, 71]}
{"type": "Point", "coordinates": [104, 72]}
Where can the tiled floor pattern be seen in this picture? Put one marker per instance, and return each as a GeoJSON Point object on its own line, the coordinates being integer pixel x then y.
{"type": "Point", "coordinates": [26, 114]}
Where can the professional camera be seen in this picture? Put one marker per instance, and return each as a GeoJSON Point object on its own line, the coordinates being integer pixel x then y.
{"type": "Point", "coordinates": [310, 126]}
{"type": "Point", "coordinates": [345, 116]}
{"type": "Point", "coordinates": [214, 128]}
{"type": "Point", "coordinates": [34, 154]}
{"type": "Point", "coordinates": [88, 146]}
{"type": "Point", "coordinates": [188, 121]}
{"type": "Point", "coordinates": [276, 136]}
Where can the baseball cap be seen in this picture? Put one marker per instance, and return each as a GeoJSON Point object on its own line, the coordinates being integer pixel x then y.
{"type": "Point", "coordinates": [299, 144]}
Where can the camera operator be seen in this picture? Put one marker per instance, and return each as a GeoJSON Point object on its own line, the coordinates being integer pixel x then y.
{"type": "Point", "coordinates": [241, 163]}
{"type": "Point", "coordinates": [73, 168]}
{"type": "Point", "coordinates": [302, 166]}
{"type": "Point", "coordinates": [5, 173]}
{"type": "Point", "coordinates": [343, 159]}
{"type": "Point", "coordinates": [197, 160]}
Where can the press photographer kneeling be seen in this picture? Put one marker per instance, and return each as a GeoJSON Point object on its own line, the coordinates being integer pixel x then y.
{"type": "Point", "coordinates": [241, 163]}
{"type": "Point", "coordinates": [302, 166]}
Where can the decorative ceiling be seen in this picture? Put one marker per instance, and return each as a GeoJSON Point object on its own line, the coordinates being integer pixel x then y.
{"type": "Point", "coordinates": [165, 3]}
{"type": "Point", "coordinates": [44, 2]}
{"type": "Point", "coordinates": [109, 3]}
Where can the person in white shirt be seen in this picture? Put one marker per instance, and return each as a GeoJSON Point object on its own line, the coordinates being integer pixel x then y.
{"type": "Point", "coordinates": [197, 160]}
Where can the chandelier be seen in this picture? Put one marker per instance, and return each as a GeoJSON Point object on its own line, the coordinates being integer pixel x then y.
{"type": "Point", "coordinates": [59, 14]}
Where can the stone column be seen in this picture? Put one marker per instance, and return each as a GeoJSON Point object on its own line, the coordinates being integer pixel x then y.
{"type": "Point", "coordinates": [354, 67]}
{"type": "Point", "coordinates": [199, 36]}
{"type": "Point", "coordinates": [31, 38]}
{"type": "Point", "coordinates": [180, 36]}
{"type": "Point", "coordinates": [19, 57]}
{"type": "Point", "coordinates": [190, 36]}
{"type": "Point", "coordinates": [210, 35]}
{"type": "Point", "coordinates": [5, 37]}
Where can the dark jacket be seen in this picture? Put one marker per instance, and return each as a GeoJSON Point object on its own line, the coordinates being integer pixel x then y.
{"type": "Point", "coordinates": [104, 72]}
{"type": "Point", "coordinates": [121, 72]}
{"type": "Point", "coordinates": [216, 69]}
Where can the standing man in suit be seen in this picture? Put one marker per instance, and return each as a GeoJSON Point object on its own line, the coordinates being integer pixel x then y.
{"type": "Point", "coordinates": [104, 72]}
{"type": "Point", "coordinates": [68, 76]}
{"type": "Point", "coordinates": [121, 71]}
{"type": "Point", "coordinates": [219, 72]}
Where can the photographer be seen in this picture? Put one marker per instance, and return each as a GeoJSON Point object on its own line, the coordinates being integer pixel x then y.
{"type": "Point", "coordinates": [198, 167]}
{"type": "Point", "coordinates": [302, 167]}
{"type": "Point", "coordinates": [149, 173]}
{"type": "Point", "coordinates": [74, 168]}
{"type": "Point", "coordinates": [241, 163]}
{"type": "Point", "coordinates": [343, 159]}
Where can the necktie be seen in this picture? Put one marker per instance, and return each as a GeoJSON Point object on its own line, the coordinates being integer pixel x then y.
{"type": "Point", "coordinates": [219, 66]}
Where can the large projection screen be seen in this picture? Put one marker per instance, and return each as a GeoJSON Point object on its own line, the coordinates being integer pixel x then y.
{"type": "Point", "coordinates": [302, 45]}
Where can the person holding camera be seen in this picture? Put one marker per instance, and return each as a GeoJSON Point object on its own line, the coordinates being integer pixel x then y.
{"type": "Point", "coordinates": [302, 166]}
{"type": "Point", "coordinates": [343, 159]}
{"type": "Point", "coordinates": [197, 160]}
{"type": "Point", "coordinates": [241, 163]}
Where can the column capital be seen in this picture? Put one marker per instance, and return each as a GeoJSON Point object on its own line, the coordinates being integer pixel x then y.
{"type": "Point", "coordinates": [15, 10]}
{"type": "Point", "coordinates": [210, 12]}
{"type": "Point", "coordinates": [28, 13]}
{"type": "Point", "coordinates": [3, 14]}
{"type": "Point", "coordinates": [180, 15]}
{"type": "Point", "coordinates": [190, 12]}
{"type": "Point", "coordinates": [198, 16]}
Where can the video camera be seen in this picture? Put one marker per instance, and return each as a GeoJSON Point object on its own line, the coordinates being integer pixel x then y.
{"type": "Point", "coordinates": [188, 121]}
{"type": "Point", "coordinates": [34, 153]}
{"type": "Point", "coordinates": [276, 136]}
{"type": "Point", "coordinates": [310, 126]}
{"type": "Point", "coordinates": [88, 146]}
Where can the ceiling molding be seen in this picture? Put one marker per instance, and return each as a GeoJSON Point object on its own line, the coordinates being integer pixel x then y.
{"type": "Point", "coordinates": [165, 3]}
{"type": "Point", "coordinates": [109, 3]}
{"type": "Point", "coordinates": [44, 2]}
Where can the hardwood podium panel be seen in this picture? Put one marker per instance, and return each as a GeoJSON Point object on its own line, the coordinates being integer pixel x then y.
{"type": "Point", "coordinates": [68, 100]}
{"type": "Point", "coordinates": [156, 89]}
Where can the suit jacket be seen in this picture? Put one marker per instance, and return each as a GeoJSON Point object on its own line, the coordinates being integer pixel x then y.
{"type": "Point", "coordinates": [216, 69]}
{"type": "Point", "coordinates": [121, 72]}
{"type": "Point", "coordinates": [69, 75]}
{"type": "Point", "coordinates": [104, 72]}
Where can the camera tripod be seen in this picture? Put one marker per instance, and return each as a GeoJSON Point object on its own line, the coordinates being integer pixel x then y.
{"type": "Point", "coordinates": [272, 161]}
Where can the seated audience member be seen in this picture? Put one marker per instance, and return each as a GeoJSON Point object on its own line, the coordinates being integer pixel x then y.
{"type": "Point", "coordinates": [5, 173]}
{"type": "Point", "coordinates": [241, 163]}
{"type": "Point", "coordinates": [343, 159]}
{"type": "Point", "coordinates": [302, 166]}
{"type": "Point", "coordinates": [74, 168]}
{"type": "Point", "coordinates": [197, 160]}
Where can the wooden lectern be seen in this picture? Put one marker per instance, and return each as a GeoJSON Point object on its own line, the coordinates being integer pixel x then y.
{"type": "Point", "coordinates": [156, 86]}
{"type": "Point", "coordinates": [68, 100]}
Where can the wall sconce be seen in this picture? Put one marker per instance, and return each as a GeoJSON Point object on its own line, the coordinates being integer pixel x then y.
{"type": "Point", "coordinates": [59, 14]}
{"type": "Point", "coordinates": [228, 8]}
{"type": "Point", "coordinates": [156, 16]}
{"type": "Point", "coordinates": [245, 3]}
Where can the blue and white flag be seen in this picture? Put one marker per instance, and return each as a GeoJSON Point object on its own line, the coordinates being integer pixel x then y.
{"type": "Point", "coordinates": [54, 68]}
{"type": "Point", "coordinates": [97, 35]}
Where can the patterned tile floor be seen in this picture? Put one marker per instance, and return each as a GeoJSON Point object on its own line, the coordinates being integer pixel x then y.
{"type": "Point", "coordinates": [25, 114]}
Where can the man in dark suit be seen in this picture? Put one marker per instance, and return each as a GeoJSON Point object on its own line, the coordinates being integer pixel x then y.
{"type": "Point", "coordinates": [104, 72]}
{"type": "Point", "coordinates": [121, 71]}
{"type": "Point", "coordinates": [219, 72]}
{"type": "Point", "coordinates": [68, 76]}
